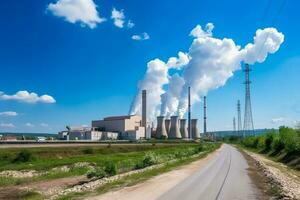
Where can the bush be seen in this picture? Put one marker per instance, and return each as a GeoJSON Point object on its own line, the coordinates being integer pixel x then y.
{"type": "Point", "coordinates": [268, 141]}
{"type": "Point", "coordinates": [23, 156]}
{"type": "Point", "coordinates": [277, 144]}
{"type": "Point", "coordinates": [110, 168]}
{"type": "Point", "coordinates": [290, 139]}
{"type": "Point", "coordinates": [149, 159]}
{"type": "Point", "coordinates": [98, 172]}
{"type": "Point", "coordinates": [88, 151]}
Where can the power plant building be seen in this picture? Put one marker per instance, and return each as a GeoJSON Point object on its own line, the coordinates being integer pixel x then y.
{"type": "Point", "coordinates": [128, 127]}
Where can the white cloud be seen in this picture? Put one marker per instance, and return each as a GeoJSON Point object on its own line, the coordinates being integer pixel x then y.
{"type": "Point", "coordinates": [182, 60]}
{"type": "Point", "coordinates": [198, 32]}
{"type": "Point", "coordinates": [143, 36]}
{"type": "Point", "coordinates": [118, 17]}
{"type": "Point", "coordinates": [29, 125]}
{"type": "Point", "coordinates": [130, 24]}
{"type": "Point", "coordinates": [44, 125]}
{"type": "Point", "coordinates": [266, 41]}
{"type": "Point", "coordinates": [7, 125]}
{"type": "Point", "coordinates": [25, 96]}
{"type": "Point", "coordinates": [82, 11]}
{"type": "Point", "coordinates": [9, 113]}
{"type": "Point", "coordinates": [277, 120]}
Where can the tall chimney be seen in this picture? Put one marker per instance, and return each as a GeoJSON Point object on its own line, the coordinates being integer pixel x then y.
{"type": "Point", "coordinates": [161, 129]}
{"type": "Point", "coordinates": [195, 131]}
{"type": "Point", "coordinates": [168, 126]}
{"type": "Point", "coordinates": [204, 115]}
{"type": "Point", "coordinates": [189, 113]}
{"type": "Point", "coordinates": [183, 129]}
{"type": "Point", "coordinates": [174, 129]}
{"type": "Point", "coordinates": [144, 108]}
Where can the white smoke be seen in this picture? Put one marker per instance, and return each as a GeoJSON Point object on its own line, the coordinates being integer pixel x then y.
{"type": "Point", "coordinates": [169, 99]}
{"type": "Point", "coordinates": [155, 78]}
{"type": "Point", "coordinates": [209, 63]}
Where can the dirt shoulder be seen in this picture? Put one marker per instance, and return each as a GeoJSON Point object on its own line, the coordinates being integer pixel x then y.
{"type": "Point", "coordinates": [284, 182]}
{"type": "Point", "coordinates": [154, 187]}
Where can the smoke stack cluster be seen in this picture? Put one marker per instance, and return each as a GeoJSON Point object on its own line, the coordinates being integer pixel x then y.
{"type": "Point", "coordinates": [161, 128]}
{"type": "Point", "coordinates": [174, 129]}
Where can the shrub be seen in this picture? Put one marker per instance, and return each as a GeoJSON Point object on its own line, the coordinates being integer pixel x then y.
{"type": "Point", "coordinates": [98, 172]}
{"type": "Point", "coordinates": [23, 156]}
{"type": "Point", "coordinates": [289, 138]}
{"type": "Point", "coordinates": [200, 148]}
{"type": "Point", "coordinates": [110, 168]}
{"type": "Point", "coordinates": [268, 141]}
{"type": "Point", "coordinates": [277, 144]}
{"type": "Point", "coordinates": [88, 151]}
{"type": "Point", "coordinates": [149, 159]}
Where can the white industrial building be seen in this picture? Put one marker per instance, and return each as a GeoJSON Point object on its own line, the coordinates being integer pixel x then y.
{"type": "Point", "coordinates": [110, 128]}
{"type": "Point", "coordinates": [128, 127]}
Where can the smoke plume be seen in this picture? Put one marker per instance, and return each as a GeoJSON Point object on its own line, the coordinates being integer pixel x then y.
{"type": "Point", "coordinates": [207, 65]}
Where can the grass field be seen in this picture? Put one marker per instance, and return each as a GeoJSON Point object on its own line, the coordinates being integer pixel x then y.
{"type": "Point", "coordinates": [45, 159]}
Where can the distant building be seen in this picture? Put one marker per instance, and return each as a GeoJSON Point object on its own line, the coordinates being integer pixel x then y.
{"type": "Point", "coordinates": [110, 128]}
{"type": "Point", "coordinates": [9, 138]}
{"type": "Point", "coordinates": [128, 127]}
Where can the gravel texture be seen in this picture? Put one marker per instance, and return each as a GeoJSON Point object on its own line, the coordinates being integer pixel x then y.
{"type": "Point", "coordinates": [288, 183]}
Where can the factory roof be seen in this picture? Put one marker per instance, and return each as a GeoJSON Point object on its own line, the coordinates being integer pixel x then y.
{"type": "Point", "coordinates": [118, 117]}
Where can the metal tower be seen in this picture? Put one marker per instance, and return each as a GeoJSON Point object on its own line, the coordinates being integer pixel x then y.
{"type": "Point", "coordinates": [248, 121]}
{"type": "Point", "coordinates": [204, 115]}
{"type": "Point", "coordinates": [239, 119]}
{"type": "Point", "coordinates": [234, 126]}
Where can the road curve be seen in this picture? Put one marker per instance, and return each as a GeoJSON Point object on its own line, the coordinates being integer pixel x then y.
{"type": "Point", "coordinates": [224, 177]}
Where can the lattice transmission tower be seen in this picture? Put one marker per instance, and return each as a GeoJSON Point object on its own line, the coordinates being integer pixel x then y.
{"type": "Point", "coordinates": [239, 127]}
{"type": "Point", "coordinates": [248, 120]}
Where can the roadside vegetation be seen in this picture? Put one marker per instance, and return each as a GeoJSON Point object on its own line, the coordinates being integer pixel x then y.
{"type": "Point", "coordinates": [92, 161]}
{"type": "Point", "coordinates": [282, 146]}
{"type": "Point", "coordinates": [168, 162]}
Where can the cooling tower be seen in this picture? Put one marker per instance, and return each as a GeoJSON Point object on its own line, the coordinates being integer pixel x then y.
{"type": "Point", "coordinates": [168, 125]}
{"type": "Point", "coordinates": [174, 129]}
{"type": "Point", "coordinates": [183, 129]}
{"type": "Point", "coordinates": [195, 131]}
{"type": "Point", "coordinates": [161, 128]}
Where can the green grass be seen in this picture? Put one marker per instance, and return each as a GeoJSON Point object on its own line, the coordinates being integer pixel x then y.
{"type": "Point", "coordinates": [124, 157]}
{"type": "Point", "coordinates": [140, 177]}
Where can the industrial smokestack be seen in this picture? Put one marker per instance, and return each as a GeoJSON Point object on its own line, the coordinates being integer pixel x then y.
{"type": "Point", "coordinates": [189, 113]}
{"type": "Point", "coordinates": [195, 131]}
{"type": "Point", "coordinates": [144, 108]}
{"type": "Point", "coordinates": [204, 115]}
{"type": "Point", "coordinates": [168, 126]}
{"type": "Point", "coordinates": [174, 130]}
{"type": "Point", "coordinates": [183, 129]}
{"type": "Point", "coordinates": [161, 128]}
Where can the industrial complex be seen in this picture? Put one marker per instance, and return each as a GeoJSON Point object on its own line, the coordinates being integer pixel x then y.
{"type": "Point", "coordinates": [134, 127]}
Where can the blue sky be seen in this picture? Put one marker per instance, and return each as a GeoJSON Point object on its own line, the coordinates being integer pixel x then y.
{"type": "Point", "coordinates": [92, 72]}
